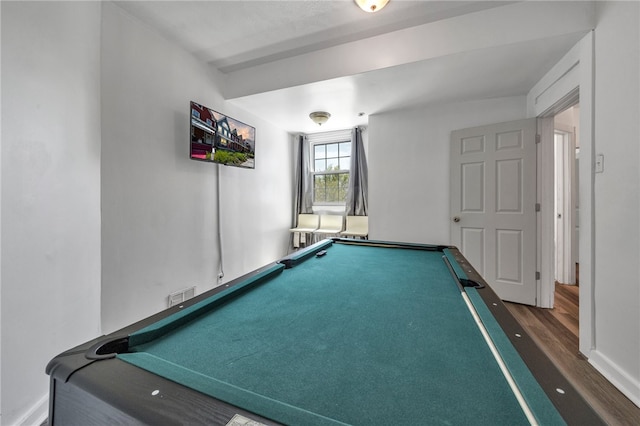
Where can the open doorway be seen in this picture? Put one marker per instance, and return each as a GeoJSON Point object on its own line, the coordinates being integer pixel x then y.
{"type": "Point", "coordinates": [566, 160]}
{"type": "Point", "coordinates": [566, 140]}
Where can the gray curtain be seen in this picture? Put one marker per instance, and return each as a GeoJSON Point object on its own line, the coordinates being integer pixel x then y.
{"type": "Point", "coordinates": [302, 198]}
{"type": "Point", "coordinates": [357, 198]}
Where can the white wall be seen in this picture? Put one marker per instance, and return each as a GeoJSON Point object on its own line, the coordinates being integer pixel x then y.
{"type": "Point", "coordinates": [409, 166]}
{"type": "Point", "coordinates": [50, 194]}
{"type": "Point", "coordinates": [159, 208]}
{"type": "Point", "coordinates": [84, 131]}
{"type": "Point", "coordinates": [256, 204]}
{"type": "Point", "coordinates": [617, 195]}
{"type": "Point", "coordinates": [609, 201]}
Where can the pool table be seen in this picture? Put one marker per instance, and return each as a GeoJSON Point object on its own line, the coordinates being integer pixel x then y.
{"type": "Point", "coordinates": [342, 332]}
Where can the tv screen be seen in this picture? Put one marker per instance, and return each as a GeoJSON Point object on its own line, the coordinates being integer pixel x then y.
{"type": "Point", "coordinates": [216, 138]}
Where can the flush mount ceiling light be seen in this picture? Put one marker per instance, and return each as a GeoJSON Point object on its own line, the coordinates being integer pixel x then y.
{"type": "Point", "coordinates": [319, 117]}
{"type": "Point", "coordinates": [371, 5]}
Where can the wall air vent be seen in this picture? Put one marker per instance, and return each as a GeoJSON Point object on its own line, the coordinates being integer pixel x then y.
{"type": "Point", "coordinates": [180, 296]}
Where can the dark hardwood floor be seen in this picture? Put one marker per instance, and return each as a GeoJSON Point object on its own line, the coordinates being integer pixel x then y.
{"type": "Point", "coordinates": [556, 332]}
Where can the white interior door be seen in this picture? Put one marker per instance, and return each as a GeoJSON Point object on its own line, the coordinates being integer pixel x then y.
{"type": "Point", "coordinates": [493, 199]}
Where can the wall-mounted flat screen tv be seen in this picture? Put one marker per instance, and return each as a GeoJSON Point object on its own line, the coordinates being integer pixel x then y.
{"type": "Point", "coordinates": [216, 138]}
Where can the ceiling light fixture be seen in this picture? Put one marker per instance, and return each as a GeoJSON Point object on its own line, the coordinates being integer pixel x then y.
{"type": "Point", "coordinates": [371, 5]}
{"type": "Point", "coordinates": [319, 117]}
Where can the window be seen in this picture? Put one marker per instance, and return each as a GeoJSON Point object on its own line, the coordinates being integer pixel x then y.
{"type": "Point", "coordinates": [331, 163]}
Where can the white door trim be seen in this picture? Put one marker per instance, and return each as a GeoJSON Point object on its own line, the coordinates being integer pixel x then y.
{"type": "Point", "coordinates": [572, 73]}
{"type": "Point", "coordinates": [546, 221]}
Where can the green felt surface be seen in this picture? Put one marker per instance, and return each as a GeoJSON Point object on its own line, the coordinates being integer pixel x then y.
{"type": "Point", "coordinates": [187, 315]}
{"type": "Point", "coordinates": [363, 335]}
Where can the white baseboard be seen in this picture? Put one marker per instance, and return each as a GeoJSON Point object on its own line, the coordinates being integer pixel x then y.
{"type": "Point", "coordinates": [626, 384]}
{"type": "Point", "coordinates": [37, 414]}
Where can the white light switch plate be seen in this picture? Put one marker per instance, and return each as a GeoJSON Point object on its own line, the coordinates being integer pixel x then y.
{"type": "Point", "coordinates": [599, 163]}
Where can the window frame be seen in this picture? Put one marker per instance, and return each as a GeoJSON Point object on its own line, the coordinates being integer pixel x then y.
{"type": "Point", "coordinates": [338, 139]}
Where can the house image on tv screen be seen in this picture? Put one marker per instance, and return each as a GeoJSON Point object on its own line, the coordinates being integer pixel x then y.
{"type": "Point", "coordinates": [220, 139]}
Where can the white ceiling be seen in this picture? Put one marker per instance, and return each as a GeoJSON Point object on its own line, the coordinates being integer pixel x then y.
{"type": "Point", "coordinates": [285, 59]}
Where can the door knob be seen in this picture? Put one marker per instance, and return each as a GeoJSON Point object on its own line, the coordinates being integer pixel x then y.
{"type": "Point", "coordinates": [456, 219]}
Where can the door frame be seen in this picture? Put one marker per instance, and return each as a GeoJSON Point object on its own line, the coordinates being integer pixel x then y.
{"type": "Point", "coordinates": [571, 78]}
{"type": "Point", "coordinates": [565, 160]}
{"type": "Point", "coordinates": [546, 197]}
